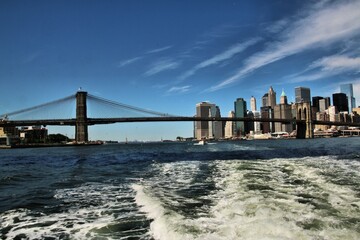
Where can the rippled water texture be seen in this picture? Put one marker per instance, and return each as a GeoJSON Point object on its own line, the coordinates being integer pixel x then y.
{"type": "Point", "coordinates": [294, 189]}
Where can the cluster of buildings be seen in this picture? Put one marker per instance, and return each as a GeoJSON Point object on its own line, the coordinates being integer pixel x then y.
{"type": "Point", "coordinates": [26, 135]}
{"type": "Point", "coordinates": [340, 109]}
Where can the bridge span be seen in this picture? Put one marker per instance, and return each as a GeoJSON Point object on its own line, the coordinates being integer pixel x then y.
{"type": "Point", "coordinates": [82, 121]}
{"type": "Point", "coordinates": [96, 121]}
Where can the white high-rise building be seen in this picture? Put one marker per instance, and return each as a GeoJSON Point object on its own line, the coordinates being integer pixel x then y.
{"type": "Point", "coordinates": [271, 98]}
{"type": "Point", "coordinates": [230, 126]}
{"type": "Point", "coordinates": [253, 104]}
{"type": "Point", "coordinates": [257, 125]}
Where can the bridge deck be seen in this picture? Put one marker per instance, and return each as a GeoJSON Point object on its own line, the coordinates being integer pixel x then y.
{"type": "Point", "coordinates": [94, 121]}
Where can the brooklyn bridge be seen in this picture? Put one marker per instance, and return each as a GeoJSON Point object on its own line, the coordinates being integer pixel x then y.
{"type": "Point", "coordinates": [53, 113]}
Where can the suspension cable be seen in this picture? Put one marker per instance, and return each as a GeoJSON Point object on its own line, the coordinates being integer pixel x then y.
{"type": "Point", "coordinates": [38, 106]}
{"type": "Point", "coordinates": [121, 105]}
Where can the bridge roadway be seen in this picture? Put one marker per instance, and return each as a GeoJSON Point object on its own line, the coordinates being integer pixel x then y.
{"type": "Point", "coordinates": [95, 121]}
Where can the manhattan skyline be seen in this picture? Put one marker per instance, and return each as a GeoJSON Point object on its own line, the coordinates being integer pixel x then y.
{"type": "Point", "coordinates": [169, 55]}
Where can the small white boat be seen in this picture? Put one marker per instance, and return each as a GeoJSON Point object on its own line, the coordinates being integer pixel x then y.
{"type": "Point", "coordinates": [202, 142]}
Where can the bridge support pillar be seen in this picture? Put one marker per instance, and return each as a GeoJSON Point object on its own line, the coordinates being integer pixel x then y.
{"type": "Point", "coordinates": [81, 128]}
{"type": "Point", "coordinates": [304, 129]}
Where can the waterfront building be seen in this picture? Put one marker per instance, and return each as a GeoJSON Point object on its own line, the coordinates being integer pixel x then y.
{"type": "Point", "coordinates": [240, 111]}
{"type": "Point", "coordinates": [324, 104]}
{"type": "Point", "coordinates": [340, 101]}
{"type": "Point", "coordinates": [322, 116]}
{"type": "Point", "coordinates": [271, 98]}
{"type": "Point", "coordinates": [230, 126]}
{"type": "Point", "coordinates": [202, 128]}
{"type": "Point", "coordinates": [253, 104]}
{"type": "Point", "coordinates": [33, 134]}
{"type": "Point", "coordinates": [211, 129]}
{"type": "Point", "coordinates": [8, 135]}
{"type": "Point", "coordinates": [302, 94]}
{"type": "Point", "coordinates": [348, 90]}
{"type": "Point", "coordinates": [265, 100]}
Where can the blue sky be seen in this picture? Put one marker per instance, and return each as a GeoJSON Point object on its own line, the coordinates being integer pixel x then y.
{"type": "Point", "coordinates": [169, 55]}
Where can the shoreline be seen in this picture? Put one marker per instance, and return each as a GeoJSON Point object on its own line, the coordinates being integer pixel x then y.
{"type": "Point", "coordinates": [48, 145]}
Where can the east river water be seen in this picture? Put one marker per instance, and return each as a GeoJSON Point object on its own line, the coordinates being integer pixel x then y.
{"type": "Point", "coordinates": [271, 189]}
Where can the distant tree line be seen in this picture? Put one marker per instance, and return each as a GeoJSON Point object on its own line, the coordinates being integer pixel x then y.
{"type": "Point", "coordinates": [57, 138]}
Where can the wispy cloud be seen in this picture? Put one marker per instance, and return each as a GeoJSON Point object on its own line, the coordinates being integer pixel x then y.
{"type": "Point", "coordinates": [182, 89]}
{"type": "Point", "coordinates": [136, 59]}
{"type": "Point", "coordinates": [162, 65]}
{"type": "Point", "coordinates": [327, 67]}
{"type": "Point", "coordinates": [157, 50]}
{"type": "Point", "coordinates": [338, 63]}
{"type": "Point", "coordinates": [332, 23]}
{"type": "Point", "coordinates": [129, 61]}
{"type": "Point", "coordinates": [277, 26]}
{"type": "Point", "coordinates": [229, 53]}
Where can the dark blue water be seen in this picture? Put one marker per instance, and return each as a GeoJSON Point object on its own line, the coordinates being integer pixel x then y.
{"type": "Point", "coordinates": [275, 189]}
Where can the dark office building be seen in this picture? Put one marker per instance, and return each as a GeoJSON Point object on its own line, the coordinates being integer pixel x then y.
{"type": "Point", "coordinates": [340, 101]}
{"type": "Point", "coordinates": [315, 102]}
{"type": "Point", "coordinates": [302, 94]}
{"type": "Point", "coordinates": [240, 111]}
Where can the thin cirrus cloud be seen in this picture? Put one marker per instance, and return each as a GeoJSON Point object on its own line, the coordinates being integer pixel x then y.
{"type": "Point", "coordinates": [182, 89]}
{"type": "Point", "coordinates": [229, 53]}
{"type": "Point", "coordinates": [327, 67]}
{"type": "Point", "coordinates": [129, 61]}
{"type": "Point", "coordinates": [332, 23]}
{"type": "Point", "coordinates": [136, 59]}
{"type": "Point", "coordinates": [157, 50]}
{"type": "Point", "coordinates": [162, 65]}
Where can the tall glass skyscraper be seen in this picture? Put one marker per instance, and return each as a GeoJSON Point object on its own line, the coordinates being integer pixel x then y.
{"type": "Point", "coordinates": [348, 90]}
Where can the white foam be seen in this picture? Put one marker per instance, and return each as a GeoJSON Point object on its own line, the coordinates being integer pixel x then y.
{"type": "Point", "coordinates": [278, 209]}
{"type": "Point", "coordinates": [92, 207]}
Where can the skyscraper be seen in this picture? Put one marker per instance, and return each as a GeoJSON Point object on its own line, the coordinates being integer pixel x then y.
{"type": "Point", "coordinates": [271, 98]}
{"type": "Point", "coordinates": [283, 98]}
{"type": "Point", "coordinates": [340, 101]}
{"type": "Point", "coordinates": [315, 102]}
{"type": "Point", "coordinates": [302, 94]}
{"type": "Point", "coordinates": [265, 100]}
{"type": "Point", "coordinates": [212, 129]}
{"type": "Point", "coordinates": [230, 126]}
{"type": "Point", "coordinates": [283, 111]}
{"type": "Point", "coordinates": [324, 104]}
{"type": "Point", "coordinates": [240, 111]}
{"type": "Point", "coordinates": [348, 90]}
{"type": "Point", "coordinates": [253, 104]}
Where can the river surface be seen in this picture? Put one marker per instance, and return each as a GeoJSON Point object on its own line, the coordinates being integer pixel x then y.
{"type": "Point", "coordinates": [275, 189]}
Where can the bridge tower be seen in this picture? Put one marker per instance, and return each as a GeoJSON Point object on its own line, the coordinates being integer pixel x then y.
{"type": "Point", "coordinates": [81, 128]}
{"type": "Point", "coordinates": [303, 112]}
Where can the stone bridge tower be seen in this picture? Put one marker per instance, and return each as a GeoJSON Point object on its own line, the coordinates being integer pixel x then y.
{"type": "Point", "coordinates": [81, 128]}
{"type": "Point", "coordinates": [303, 112]}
